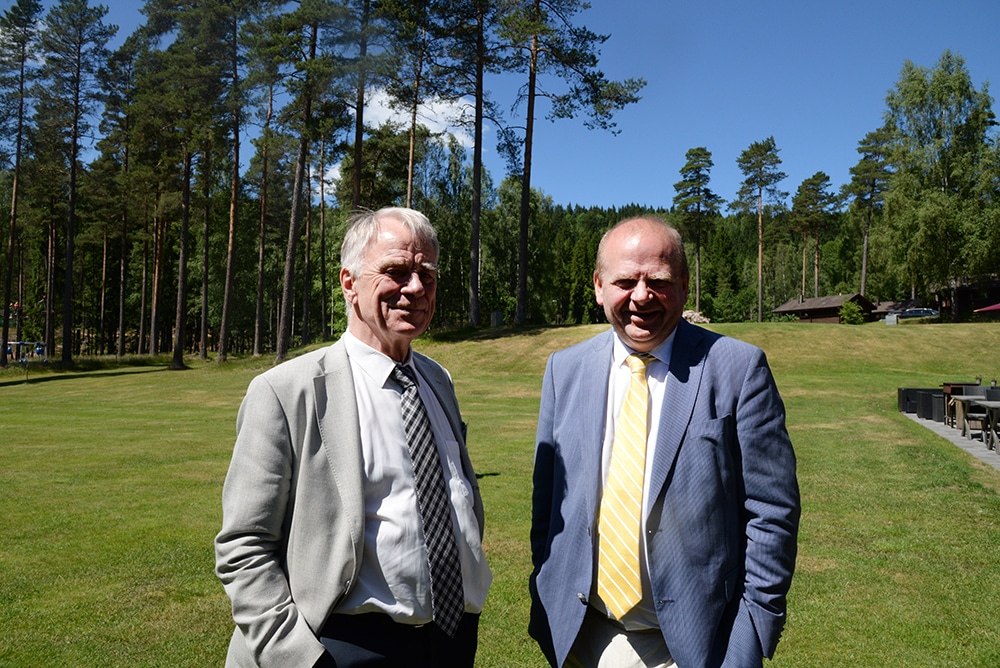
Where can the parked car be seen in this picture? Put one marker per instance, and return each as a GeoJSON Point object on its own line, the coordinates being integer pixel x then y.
{"type": "Point", "coordinates": [919, 313]}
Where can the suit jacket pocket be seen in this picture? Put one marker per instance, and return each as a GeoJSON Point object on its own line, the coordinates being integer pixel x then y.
{"type": "Point", "coordinates": [702, 497]}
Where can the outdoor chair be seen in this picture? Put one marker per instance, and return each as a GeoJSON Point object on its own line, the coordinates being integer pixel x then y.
{"type": "Point", "coordinates": [975, 416]}
{"type": "Point", "coordinates": [959, 390]}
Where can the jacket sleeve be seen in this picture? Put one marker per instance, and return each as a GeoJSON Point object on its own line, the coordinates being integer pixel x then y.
{"type": "Point", "coordinates": [257, 504]}
{"type": "Point", "coordinates": [771, 502]}
{"type": "Point", "coordinates": [541, 513]}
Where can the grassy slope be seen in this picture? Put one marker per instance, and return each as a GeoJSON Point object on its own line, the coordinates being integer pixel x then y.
{"type": "Point", "coordinates": [110, 484]}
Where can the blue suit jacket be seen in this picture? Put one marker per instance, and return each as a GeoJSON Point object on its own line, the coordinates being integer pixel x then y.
{"type": "Point", "coordinates": [723, 513]}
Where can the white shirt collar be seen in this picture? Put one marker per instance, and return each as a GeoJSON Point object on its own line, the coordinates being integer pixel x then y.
{"type": "Point", "coordinates": [661, 352]}
{"type": "Point", "coordinates": [375, 364]}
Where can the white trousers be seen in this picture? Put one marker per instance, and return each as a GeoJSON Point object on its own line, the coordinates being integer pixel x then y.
{"type": "Point", "coordinates": [603, 644]}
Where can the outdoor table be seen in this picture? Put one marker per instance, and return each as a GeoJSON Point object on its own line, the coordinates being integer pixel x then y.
{"type": "Point", "coordinates": [953, 389]}
{"type": "Point", "coordinates": [991, 436]}
{"type": "Point", "coordinates": [961, 402]}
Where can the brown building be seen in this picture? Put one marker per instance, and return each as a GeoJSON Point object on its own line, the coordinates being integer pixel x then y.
{"type": "Point", "coordinates": [823, 309]}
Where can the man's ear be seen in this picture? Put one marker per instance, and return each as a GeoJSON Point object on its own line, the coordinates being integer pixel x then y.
{"type": "Point", "coordinates": [347, 286]}
{"type": "Point", "coordinates": [598, 295]}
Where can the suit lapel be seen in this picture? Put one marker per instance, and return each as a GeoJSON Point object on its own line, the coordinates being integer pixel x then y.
{"type": "Point", "coordinates": [443, 393]}
{"type": "Point", "coordinates": [590, 413]}
{"type": "Point", "coordinates": [681, 392]}
{"type": "Point", "coordinates": [340, 430]}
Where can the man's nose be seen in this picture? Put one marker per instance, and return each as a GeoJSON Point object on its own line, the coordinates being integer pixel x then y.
{"type": "Point", "coordinates": [415, 285]}
{"type": "Point", "coordinates": [641, 292]}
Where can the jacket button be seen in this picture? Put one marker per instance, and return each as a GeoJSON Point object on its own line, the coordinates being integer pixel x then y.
{"type": "Point", "coordinates": [583, 599]}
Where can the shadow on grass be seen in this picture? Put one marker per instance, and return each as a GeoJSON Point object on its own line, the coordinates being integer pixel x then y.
{"type": "Point", "coordinates": [75, 374]}
{"type": "Point", "coordinates": [490, 334]}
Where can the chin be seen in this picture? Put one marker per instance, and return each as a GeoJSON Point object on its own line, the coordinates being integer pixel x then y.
{"type": "Point", "coordinates": [411, 328]}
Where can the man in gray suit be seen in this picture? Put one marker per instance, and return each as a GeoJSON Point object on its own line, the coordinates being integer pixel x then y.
{"type": "Point", "coordinates": [329, 548]}
{"type": "Point", "coordinates": [681, 553]}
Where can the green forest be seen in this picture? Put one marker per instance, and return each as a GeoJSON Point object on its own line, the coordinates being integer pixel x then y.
{"type": "Point", "coordinates": [185, 193]}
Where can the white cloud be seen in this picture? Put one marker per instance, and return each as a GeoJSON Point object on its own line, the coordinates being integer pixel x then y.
{"type": "Point", "coordinates": [437, 115]}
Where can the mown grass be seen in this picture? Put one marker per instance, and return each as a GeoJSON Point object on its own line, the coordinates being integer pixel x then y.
{"type": "Point", "coordinates": [110, 481]}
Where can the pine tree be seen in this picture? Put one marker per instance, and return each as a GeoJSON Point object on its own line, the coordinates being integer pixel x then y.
{"type": "Point", "coordinates": [74, 47]}
{"type": "Point", "coordinates": [759, 163]}
{"type": "Point", "coordinates": [869, 179]}
{"type": "Point", "coordinates": [17, 49]}
{"type": "Point", "coordinates": [543, 33]}
{"type": "Point", "coordinates": [697, 206]}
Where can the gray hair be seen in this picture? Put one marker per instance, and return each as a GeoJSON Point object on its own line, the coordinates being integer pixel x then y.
{"type": "Point", "coordinates": [678, 257]}
{"type": "Point", "coordinates": [363, 229]}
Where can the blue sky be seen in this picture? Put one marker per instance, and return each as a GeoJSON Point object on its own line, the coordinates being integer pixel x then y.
{"type": "Point", "coordinates": [725, 73]}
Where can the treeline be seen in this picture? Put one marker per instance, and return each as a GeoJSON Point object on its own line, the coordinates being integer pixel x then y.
{"type": "Point", "coordinates": [139, 223]}
{"type": "Point", "coordinates": [158, 238]}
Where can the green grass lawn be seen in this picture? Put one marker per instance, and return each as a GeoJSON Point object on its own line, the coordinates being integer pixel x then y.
{"type": "Point", "coordinates": [110, 484]}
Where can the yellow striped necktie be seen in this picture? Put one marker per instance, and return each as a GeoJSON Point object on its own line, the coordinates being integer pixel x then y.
{"type": "Point", "coordinates": [619, 525]}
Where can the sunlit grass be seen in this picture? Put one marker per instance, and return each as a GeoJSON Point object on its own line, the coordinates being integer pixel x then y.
{"type": "Point", "coordinates": [110, 484]}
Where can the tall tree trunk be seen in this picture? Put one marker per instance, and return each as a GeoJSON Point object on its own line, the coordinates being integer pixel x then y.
{"type": "Point", "coordinates": [14, 193]}
{"type": "Point", "coordinates": [234, 198]}
{"type": "Point", "coordinates": [307, 259]}
{"type": "Point", "coordinates": [122, 267]}
{"type": "Point", "coordinates": [477, 170]}
{"type": "Point", "coordinates": [180, 320]}
{"type": "Point", "coordinates": [285, 326]}
{"type": "Point", "coordinates": [67, 311]}
{"type": "Point", "coordinates": [816, 266]}
{"type": "Point", "coordinates": [414, 104]}
{"type": "Point", "coordinates": [697, 254]}
{"type": "Point", "coordinates": [206, 217]}
{"type": "Point", "coordinates": [19, 319]}
{"type": "Point", "coordinates": [805, 263]}
{"type": "Point", "coordinates": [50, 289]}
{"type": "Point", "coordinates": [359, 105]}
{"type": "Point", "coordinates": [322, 240]}
{"type": "Point", "coordinates": [145, 285]}
{"type": "Point", "coordinates": [9, 269]}
{"type": "Point", "coordinates": [159, 232]}
{"type": "Point", "coordinates": [258, 330]}
{"type": "Point", "coordinates": [864, 250]}
{"type": "Point", "coordinates": [521, 310]}
{"type": "Point", "coordinates": [102, 335]}
{"type": "Point", "coordinates": [760, 255]}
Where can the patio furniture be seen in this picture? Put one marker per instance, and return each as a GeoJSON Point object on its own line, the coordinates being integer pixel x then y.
{"type": "Point", "coordinates": [949, 389]}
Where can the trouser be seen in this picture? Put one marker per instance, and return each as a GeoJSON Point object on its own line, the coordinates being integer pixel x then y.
{"type": "Point", "coordinates": [374, 640]}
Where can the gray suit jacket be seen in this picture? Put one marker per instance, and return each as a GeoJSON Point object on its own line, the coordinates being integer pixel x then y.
{"type": "Point", "coordinates": [724, 503]}
{"type": "Point", "coordinates": [292, 533]}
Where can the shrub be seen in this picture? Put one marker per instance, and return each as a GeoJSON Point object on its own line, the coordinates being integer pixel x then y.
{"type": "Point", "coordinates": [851, 314]}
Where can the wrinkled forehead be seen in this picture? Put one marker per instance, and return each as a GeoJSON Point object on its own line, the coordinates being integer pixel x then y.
{"type": "Point", "coordinates": [394, 238]}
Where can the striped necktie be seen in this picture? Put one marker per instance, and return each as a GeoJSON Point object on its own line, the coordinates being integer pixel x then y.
{"type": "Point", "coordinates": [447, 594]}
{"type": "Point", "coordinates": [619, 526]}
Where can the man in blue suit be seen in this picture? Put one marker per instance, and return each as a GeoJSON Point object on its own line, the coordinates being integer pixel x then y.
{"type": "Point", "coordinates": [717, 495]}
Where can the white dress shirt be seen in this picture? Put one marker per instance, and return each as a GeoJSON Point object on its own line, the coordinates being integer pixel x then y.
{"type": "Point", "coordinates": [394, 577]}
{"type": "Point", "coordinates": [643, 615]}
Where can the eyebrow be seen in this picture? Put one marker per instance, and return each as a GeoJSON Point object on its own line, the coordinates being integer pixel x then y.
{"type": "Point", "coordinates": [390, 263]}
{"type": "Point", "coordinates": [651, 277]}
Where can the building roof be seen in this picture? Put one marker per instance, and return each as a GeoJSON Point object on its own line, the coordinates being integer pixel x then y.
{"type": "Point", "coordinates": [830, 303]}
